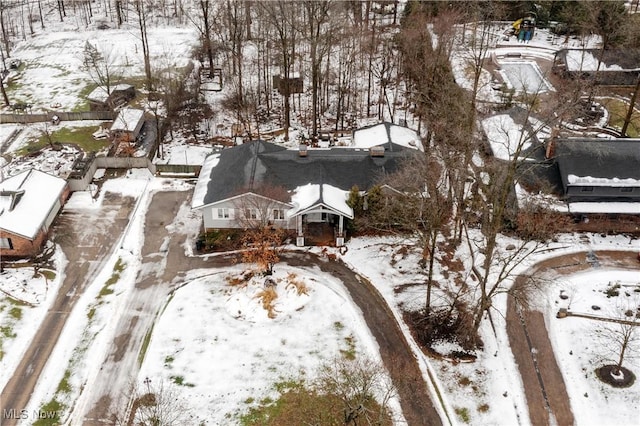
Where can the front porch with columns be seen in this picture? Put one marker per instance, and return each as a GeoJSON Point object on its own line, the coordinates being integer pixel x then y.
{"type": "Point", "coordinates": [320, 214]}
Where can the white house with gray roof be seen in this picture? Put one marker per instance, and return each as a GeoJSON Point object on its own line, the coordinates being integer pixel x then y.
{"type": "Point", "coordinates": [261, 183]}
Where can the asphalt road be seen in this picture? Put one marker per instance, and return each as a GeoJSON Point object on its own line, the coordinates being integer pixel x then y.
{"type": "Point", "coordinates": [86, 251]}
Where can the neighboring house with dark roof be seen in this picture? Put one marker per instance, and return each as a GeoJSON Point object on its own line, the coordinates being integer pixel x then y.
{"type": "Point", "coordinates": [29, 202]}
{"type": "Point", "coordinates": [263, 183]}
{"type": "Point", "coordinates": [599, 175]}
{"type": "Point", "coordinates": [618, 68]}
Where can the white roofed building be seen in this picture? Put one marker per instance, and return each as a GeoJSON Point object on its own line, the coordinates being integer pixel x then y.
{"type": "Point", "coordinates": [127, 125]}
{"type": "Point", "coordinates": [29, 203]}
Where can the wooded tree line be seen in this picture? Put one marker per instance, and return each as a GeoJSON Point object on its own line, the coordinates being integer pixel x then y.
{"type": "Point", "coordinates": [369, 59]}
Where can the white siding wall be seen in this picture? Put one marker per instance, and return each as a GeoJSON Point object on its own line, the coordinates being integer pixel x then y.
{"type": "Point", "coordinates": [52, 215]}
{"type": "Point", "coordinates": [236, 214]}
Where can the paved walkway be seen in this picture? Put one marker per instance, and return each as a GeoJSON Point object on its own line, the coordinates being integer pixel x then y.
{"type": "Point", "coordinates": [544, 386]}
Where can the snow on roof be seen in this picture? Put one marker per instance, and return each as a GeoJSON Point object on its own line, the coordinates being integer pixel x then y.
{"type": "Point", "coordinates": [100, 93]}
{"type": "Point", "coordinates": [597, 181]}
{"type": "Point", "coordinates": [385, 133]}
{"type": "Point", "coordinates": [582, 60]}
{"type": "Point", "coordinates": [504, 136]}
{"type": "Point", "coordinates": [337, 199]}
{"type": "Point", "coordinates": [203, 180]}
{"type": "Point", "coordinates": [127, 119]}
{"type": "Point", "coordinates": [605, 207]}
{"type": "Point", "coordinates": [41, 191]}
{"type": "Point", "coordinates": [370, 136]}
{"type": "Point", "coordinates": [304, 197]}
{"type": "Point", "coordinates": [404, 136]}
{"type": "Point", "coordinates": [307, 196]}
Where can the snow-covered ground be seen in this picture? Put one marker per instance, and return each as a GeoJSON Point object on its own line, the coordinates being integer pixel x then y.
{"type": "Point", "coordinates": [231, 359]}
{"type": "Point", "coordinates": [490, 389]}
{"type": "Point", "coordinates": [220, 339]}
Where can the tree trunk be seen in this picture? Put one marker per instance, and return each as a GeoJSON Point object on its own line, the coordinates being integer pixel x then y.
{"type": "Point", "coordinates": [433, 238]}
{"type": "Point", "coordinates": [142, 21]}
{"type": "Point", "coordinates": [4, 92]}
{"type": "Point", "coordinates": [632, 104]}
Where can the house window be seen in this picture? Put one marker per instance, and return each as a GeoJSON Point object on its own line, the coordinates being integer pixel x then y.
{"type": "Point", "coordinates": [587, 189]}
{"type": "Point", "coordinates": [223, 213]}
{"type": "Point", "coordinates": [626, 189]}
{"type": "Point", "coordinates": [6, 243]}
{"type": "Point", "coordinates": [278, 214]}
{"type": "Point", "coordinates": [251, 213]}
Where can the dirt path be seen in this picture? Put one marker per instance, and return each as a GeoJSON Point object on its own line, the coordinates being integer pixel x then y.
{"type": "Point", "coordinates": [86, 249]}
{"type": "Point", "coordinates": [398, 358]}
{"type": "Point", "coordinates": [544, 386]}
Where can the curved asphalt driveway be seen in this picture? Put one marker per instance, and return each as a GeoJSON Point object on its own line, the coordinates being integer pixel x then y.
{"type": "Point", "coordinates": [397, 356]}
{"type": "Point", "coordinates": [164, 266]}
{"type": "Point", "coordinates": [545, 391]}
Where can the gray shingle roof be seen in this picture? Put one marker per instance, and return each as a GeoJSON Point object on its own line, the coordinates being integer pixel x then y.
{"type": "Point", "coordinates": [255, 164]}
{"type": "Point", "coordinates": [599, 158]}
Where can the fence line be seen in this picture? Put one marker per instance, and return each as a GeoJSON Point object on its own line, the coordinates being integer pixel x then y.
{"type": "Point", "coordinates": [62, 116]}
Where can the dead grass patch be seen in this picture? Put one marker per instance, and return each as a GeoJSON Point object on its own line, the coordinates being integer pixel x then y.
{"type": "Point", "coordinates": [300, 286]}
{"type": "Point", "coordinates": [240, 280]}
{"type": "Point", "coordinates": [268, 297]}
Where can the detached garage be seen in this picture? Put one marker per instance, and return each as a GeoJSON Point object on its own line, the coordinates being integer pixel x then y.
{"type": "Point", "coordinates": [29, 202]}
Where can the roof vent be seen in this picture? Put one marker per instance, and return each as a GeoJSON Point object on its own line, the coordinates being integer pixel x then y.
{"type": "Point", "coordinates": [376, 151]}
{"type": "Point", "coordinates": [302, 150]}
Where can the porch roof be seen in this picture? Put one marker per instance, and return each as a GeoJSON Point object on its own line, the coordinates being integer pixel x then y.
{"type": "Point", "coordinates": [314, 197]}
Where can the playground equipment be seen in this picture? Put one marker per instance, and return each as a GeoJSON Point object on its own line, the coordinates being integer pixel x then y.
{"type": "Point", "coordinates": [524, 27]}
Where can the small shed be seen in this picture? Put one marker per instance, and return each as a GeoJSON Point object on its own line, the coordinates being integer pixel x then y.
{"type": "Point", "coordinates": [288, 86]}
{"type": "Point", "coordinates": [127, 125]}
{"type": "Point", "coordinates": [100, 100]}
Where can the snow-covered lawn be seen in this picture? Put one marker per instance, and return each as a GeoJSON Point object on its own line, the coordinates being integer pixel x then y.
{"type": "Point", "coordinates": [579, 351]}
{"type": "Point", "coordinates": [489, 390]}
{"type": "Point", "coordinates": [54, 76]}
{"type": "Point", "coordinates": [25, 298]}
{"type": "Point", "coordinates": [225, 351]}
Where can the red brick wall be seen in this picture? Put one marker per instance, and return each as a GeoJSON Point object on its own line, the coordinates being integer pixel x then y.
{"type": "Point", "coordinates": [22, 247]}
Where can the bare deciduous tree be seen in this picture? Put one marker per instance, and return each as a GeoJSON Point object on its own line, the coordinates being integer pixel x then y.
{"type": "Point", "coordinates": [151, 404]}
{"type": "Point", "coordinates": [101, 64]}
{"type": "Point", "coordinates": [363, 388]}
{"type": "Point", "coordinates": [263, 247]}
{"type": "Point", "coordinates": [619, 339]}
{"type": "Point", "coordinates": [141, 13]}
